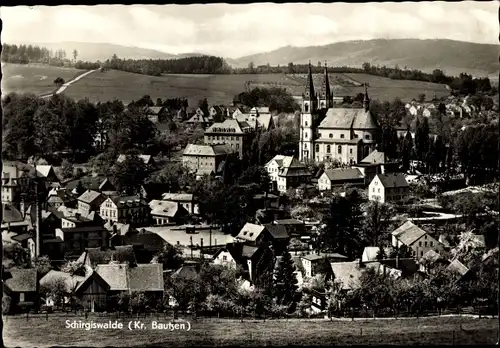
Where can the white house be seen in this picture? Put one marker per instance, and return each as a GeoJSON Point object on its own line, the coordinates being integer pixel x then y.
{"type": "Point", "coordinates": [388, 188]}
{"type": "Point", "coordinates": [340, 176]}
{"type": "Point", "coordinates": [414, 238]}
{"type": "Point", "coordinates": [286, 172]}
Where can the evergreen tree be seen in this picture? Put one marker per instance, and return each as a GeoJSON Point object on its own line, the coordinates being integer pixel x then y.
{"type": "Point", "coordinates": [285, 281]}
{"type": "Point", "coordinates": [422, 138]}
{"type": "Point", "coordinates": [406, 150]}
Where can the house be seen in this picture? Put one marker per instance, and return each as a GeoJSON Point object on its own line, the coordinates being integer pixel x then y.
{"type": "Point", "coordinates": [217, 113]}
{"type": "Point", "coordinates": [319, 262]}
{"type": "Point", "coordinates": [186, 200]}
{"type": "Point", "coordinates": [413, 110]}
{"type": "Point", "coordinates": [339, 177]}
{"type": "Point", "coordinates": [388, 188]}
{"type": "Point", "coordinates": [147, 159]}
{"type": "Point", "coordinates": [90, 201]}
{"type": "Point", "coordinates": [125, 209]}
{"type": "Point", "coordinates": [153, 113]}
{"type": "Point", "coordinates": [22, 288]}
{"type": "Point", "coordinates": [371, 253]}
{"type": "Point", "coordinates": [457, 268]}
{"type": "Point", "coordinates": [259, 110]}
{"type": "Point", "coordinates": [146, 244]}
{"type": "Point", "coordinates": [77, 221]}
{"type": "Point", "coordinates": [92, 293]}
{"type": "Point", "coordinates": [118, 228]}
{"type": "Point", "coordinates": [92, 257]}
{"type": "Point", "coordinates": [70, 282]}
{"type": "Point", "coordinates": [233, 112]}
{"type": "Point", "coordinates": [414, 238]}
{"type": "Point", "coordinates": [13, 220]}
{"type": "Point", "coordinates": [252, 260]}
{"type": "Point", "coordinates": [199, 120]}
{"type": "Point", "coordinates": [99, 183]}
{"type": "Point", "coordinates": [380, 161]}
{"type": "Point", "coordinates": [152, 191]}
{"type": "Point", "coordinates": [166, 212]}
{"type": "Point", "coordinates": [11, 173]}
{"type": "Point", "coordinates": [348, 274]}
{"type": "Point", "coordinates": [206, 158]}
{"type": "Point", "coordinates": [253, 234]}
{"type": "Point", "coordinates": [76, 240]}
{"type": "Point", "coordinates": [293, 226]}
{"type": "Point", "coordinates": [61, 197]}
{"type": "Point", "coordinates": [236, 135]}
{"type": "Point", "coordinates": [343, 134]}
{"type": "Point", "coordinates": [430, 260]}
{"type": "Point", "coordinates": [279, 237]}
{"type": "Point", "coordinates": [263, 121]}
{"type": "Point", "coordinates": [286, 172]}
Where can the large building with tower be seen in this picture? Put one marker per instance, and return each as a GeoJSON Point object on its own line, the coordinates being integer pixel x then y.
{"type": "Point", "coordinates": [329, 133]}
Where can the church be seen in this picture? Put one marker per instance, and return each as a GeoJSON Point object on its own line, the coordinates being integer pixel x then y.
{"type": "Point", "coordinates": [329, 133]}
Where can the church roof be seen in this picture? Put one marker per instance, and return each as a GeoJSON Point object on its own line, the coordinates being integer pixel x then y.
{"type": "Point", "coordinates": [347, 118]}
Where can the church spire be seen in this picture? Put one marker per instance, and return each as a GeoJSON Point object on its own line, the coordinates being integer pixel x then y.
{"type": "Point", "coordinates": [327, 87]}
{"type": "Point", "coordinates": [366, 99]}
{"type": "Point", "coordinates": [310, 83]}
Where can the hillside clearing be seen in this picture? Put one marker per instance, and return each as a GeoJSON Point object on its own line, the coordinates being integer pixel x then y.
{"type": "Point", "coordinates": [227, 332]}
{"type": "Point", "coordinates": [31, 78]}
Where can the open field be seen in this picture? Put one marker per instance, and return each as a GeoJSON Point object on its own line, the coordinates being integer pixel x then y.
{"type": "Point", "coordinates": [37, 79]}
{"type": "Point", "coordinates": [125, 86]}
{"type": "Point", "coordinates": [226, 332]}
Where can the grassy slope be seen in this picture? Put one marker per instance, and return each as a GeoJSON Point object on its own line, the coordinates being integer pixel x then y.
{"type": "Point", "coordinates": [220, 89]}
{"type": "Point", "coordinates": [35, 79]}
{"type": "Point", "coordinates": [39, 332]}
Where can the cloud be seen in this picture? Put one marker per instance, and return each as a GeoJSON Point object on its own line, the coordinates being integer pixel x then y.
{"type": "Point", "coordinates": [238, 30]}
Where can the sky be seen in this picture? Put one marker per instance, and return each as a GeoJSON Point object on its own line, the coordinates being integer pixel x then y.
{"type": "Point", "coordinates": [234, 31]}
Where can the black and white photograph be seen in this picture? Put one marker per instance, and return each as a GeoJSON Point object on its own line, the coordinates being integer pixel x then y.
{"type": "Point", "coordinates": [248, 175]}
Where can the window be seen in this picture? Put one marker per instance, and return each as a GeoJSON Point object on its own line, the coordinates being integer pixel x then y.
{"type": "Point", "coordinates": [378, 190]}
{"type": "Point", "coordinates": [331, 135]}
{"type": "Point", "coordinates": [350, 151]}
{"type": "Point", "coordinates": [224, 258]}
{"type": "Point", "coordinates": [341, 136]}
{"type": "Point", "coordinates": [421, 253]}
{"type": "Point", "coordinates": [419, 244]}
{"type": "Point", "coordinates": [305, 123]}
{"type": "Point", "coordinates": [432, 243]}
{"type": "Point", "coordinates": [237, 146]}
{"type": "Point", "coordinates": [316, 148]}
{"type": "Point", "coordinates": [425, 243]}
{"type": "Point", "coordinates": [306, 107]}
{"type": "Point", "coordinates": [305, 135]}
{"type": "Point", "coordinates": [373, 189]}
{"type": "Point", "coordinates": [367, 136]}
{"type": "Point", "coordinates": [21, 297]}
{"type": "Point", "coordinates": [328, 148]}
{"type": "Point", "coordinates": [339, 149]}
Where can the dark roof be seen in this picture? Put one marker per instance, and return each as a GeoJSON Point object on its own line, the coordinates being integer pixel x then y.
{"type": "Point", "coordinates": [22, 237]}
{"type": "Point", "coordinates": [240, 252]}
{"type": "Point", "coordinates": [322, 256]}
{"type": "Point", "coordinates": [128, 201]}
{"type": "Point", "coordinates": [151, 241]}
{"type": "Point", "coordinates": [10, 214]}
{"type": "Point", "coordinates": [146, 277]}
{"type": "Point", "coordinates": [289, 222]}
{"type": "Point", "coordinates": [95, 183]}
{"type": "Point", "coordinates": [23, 280]}
{"type": "Point", "coordinates": [277, 231]}
{"type": "Point", "coordinates": [186, 271]}
{"type": "Point", "coordinates": [341, 174]}
{"type": "Point", "coordinates": [83, 229]}
{"type": "Point", "coordinates": [155, 190]}
{"type": "Point", "coordinates": [96, 256]}
{"type": "Point", "coordinates": [393, 180]}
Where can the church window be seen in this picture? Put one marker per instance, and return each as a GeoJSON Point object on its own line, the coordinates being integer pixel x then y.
{"type": "Point", "coordinates": [317, 147]}
{"type": "Point", "coordinates": [339, 149]}
{"type": "Point", "coordinates": [331, 135]}
{"type": "Point", "coordinates": [341, 136]}
{"type": "Point", "coordinates": [328, 149]}
{"type": "Point", "coordinates": [305, 123]}
{"type": "Point", "coordinates": [306, 107]}
{"type": "Point", "coordinates": [350, 151]}
{"type": "Point", "coordinates": [367, 136]}
{"type": "Point", "coordinates": [305, 135]}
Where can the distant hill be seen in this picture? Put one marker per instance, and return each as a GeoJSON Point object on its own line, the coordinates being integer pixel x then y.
{"type": "Point", "coordinates": [451, 56]}
{"type": "Point", "coordinates": [102, 51]}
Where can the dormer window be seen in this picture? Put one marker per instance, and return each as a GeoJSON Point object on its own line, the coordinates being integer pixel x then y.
{"type": "Point", "coordinates": [341, 136]}
{"type": "Point", "coordinates": [251, 234]}
{"type": "Point", "coordinates": [331, 135]}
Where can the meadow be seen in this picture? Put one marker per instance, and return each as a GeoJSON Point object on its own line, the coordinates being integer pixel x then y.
{"type": "Point", "coordinates": [30, 78]}
{"type": "Point", "coordinates": [231, 332]}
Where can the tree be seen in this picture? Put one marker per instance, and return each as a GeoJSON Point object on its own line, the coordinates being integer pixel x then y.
{"type": "Point", "coordinates": [407, 148]}
{"type": "Point", "coordinates": [42, 264]}
{"type": "Point", "coordinates": [376, 223]}
{"type": "Point", "coordinates": [170, 257]}
{"type": "Point", "coordinates": [79, 188]}
{"type": "Point", "coordinates": [130, 174]}
{"type": "Point", "coordinates": [56, 289]}
{"type": "Point", "coordinates": [421, 97]}
{"type": "Point", "coordinates": [285, 281]}
{"type": "Point", "coordinates": [59, 81]}
{"type": "Point", "coordinates": [422, 138]}
{"type": "Point", "coordinates": [75, 54]}
{"type": "Point", "coordinates": [66, 169]}
{"type": "Point", "coordinates": [14, 255]}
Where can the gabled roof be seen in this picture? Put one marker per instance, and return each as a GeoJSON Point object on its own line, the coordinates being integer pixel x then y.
{"type": "Point", "coordinates": [154, 109]}
{"type": "Point", "coordinates": [376, 157]}
{"type": "Point", "coordinates": [23, 280]}
{"type": "Point", "coordinates": [187, 270]}
{"type": "Point", "coordinates": [121, 229]}
{"type": "Point", "coordinates": [261, 109]}
{"type": "Point", "coordinates": [277, 231]}
{"type": "Point", "coordinates": [371, 253]}
{"type": "Point", "coordinates": [341, 174]}
{"type": "Point", "coordinates": [322, 256]}
{"type": "Point", "coordinates": [92, 276]}
{"type": "Point", "coordinates": [90, 197]}
{"type": "Point", "coordinates": [348, 273]}
{"type": "Point", "coordinates": [95, 183]}
{"type": "Point", "coordinates": [96, 256]}
{"type": "Point", "coordinates": [145, 158]}
{"type": "Point", "coordinates": [115, 275]}
{"type": "Point", "coordinates": [230, 126]}
{"type": "Point", "coordinates": [127, 201]}
{"type": "Point", "coordinates": [239, 252]}
{"type": "Point", "coordinates": [146, 277]}
{"type": "Point", "coordinates": [457, 267]}
{"type": "Point", "coordinates": [219, 109]}
{"type": "Point", "coordinates": [166, 208]}
{"type": "Point", "coordinates": [343, 118]}
{"type": "Point", "coordinates": [207, 150]}
{"type": "Point", "coordinates": [149, 240]}
{"type": "Point", "coordinates": [178, 197]}
{"type": "Point", "coordinates": [265, 120]}
{"type": "Point", "coordinates": [430, 257]}
{"type": "Point", "coordinates": [393, 180]}
{"type": "Point", "coordinates": [70, 281]}
{"type": "Point", "coordinates": [10, 214]}
{"type": "Point", "coordinates": [251, 232]}
{"type": "Point", "coordinates": [408, 233]}
{"type": "Point", "coordinates": [44, 170]}
{"type": "Point", "coordinates": [197, 118]}
{"type": "Point", "coordinates": [288, 222]}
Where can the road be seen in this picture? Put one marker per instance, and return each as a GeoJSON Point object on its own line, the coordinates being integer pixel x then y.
{"type": "Point", "coordinates": [69, 83]}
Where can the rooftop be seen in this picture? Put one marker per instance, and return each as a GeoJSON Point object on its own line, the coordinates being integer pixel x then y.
{"type": "Point", "coordinates": [408, 233]}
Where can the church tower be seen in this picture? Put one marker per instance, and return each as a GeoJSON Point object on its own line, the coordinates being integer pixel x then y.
{"type": "Point", "coordinates": [366, 100]}
{"type": "Point", "coordinates": [309, 107]}
{"type": "Point", "coordinates": [325, 97]}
